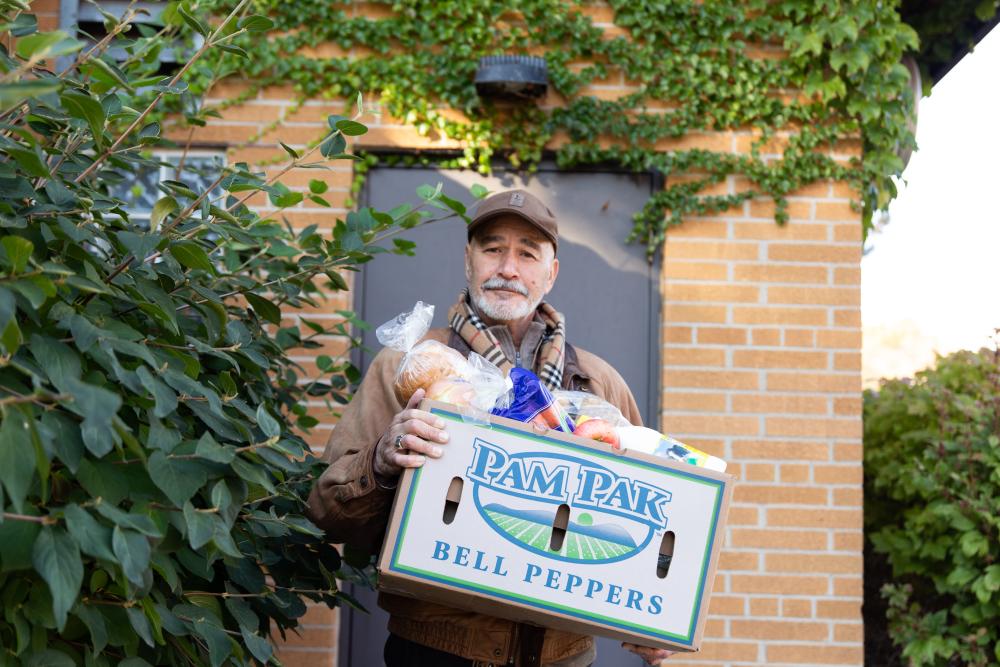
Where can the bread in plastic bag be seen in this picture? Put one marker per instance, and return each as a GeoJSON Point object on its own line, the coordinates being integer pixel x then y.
{"type": "Point", "coordinates": [423, 363]}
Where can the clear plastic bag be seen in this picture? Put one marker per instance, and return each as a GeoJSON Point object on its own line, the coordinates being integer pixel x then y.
{"type": "Point", "coordinates": [581, 405]}
{"type": "Point", "coordinates": [424, 363]}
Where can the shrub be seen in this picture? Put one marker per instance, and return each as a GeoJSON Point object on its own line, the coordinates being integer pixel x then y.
{"type": "Point", "coordinates": [932, 507]}
{"type": "Point", "coordinates": [153, 475]}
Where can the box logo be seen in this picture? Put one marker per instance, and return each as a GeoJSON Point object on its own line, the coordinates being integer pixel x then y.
{"type": "Point", "coordinates": [614, 517]}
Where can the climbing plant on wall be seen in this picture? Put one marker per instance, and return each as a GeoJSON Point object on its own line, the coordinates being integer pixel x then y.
{"type": "Point", "coordinates": [809, 73]}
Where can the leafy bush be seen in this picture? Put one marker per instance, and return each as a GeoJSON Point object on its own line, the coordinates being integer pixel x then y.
{"type": "Point", "coordinates": [932, 507]}
{"type": "Point", "coordinates": [153, 475]}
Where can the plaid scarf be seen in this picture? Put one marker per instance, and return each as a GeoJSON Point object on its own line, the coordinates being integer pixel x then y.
{"type": "Point", "coordinates": [462, 318]}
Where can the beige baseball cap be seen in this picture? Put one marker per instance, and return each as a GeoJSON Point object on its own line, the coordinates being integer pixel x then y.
{"type": "Point", "coordinates": [522, 204]}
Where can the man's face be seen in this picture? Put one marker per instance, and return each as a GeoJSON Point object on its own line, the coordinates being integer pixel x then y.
{"type": "Point", "coordinates": [510, 267]}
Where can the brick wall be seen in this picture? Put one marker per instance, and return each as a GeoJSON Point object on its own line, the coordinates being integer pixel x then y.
{"type": "Point", "coordinates": [761, 366]}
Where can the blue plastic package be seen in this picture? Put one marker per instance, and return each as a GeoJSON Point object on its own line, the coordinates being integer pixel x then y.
{"type": "Point", "coordinates": [532, 402]}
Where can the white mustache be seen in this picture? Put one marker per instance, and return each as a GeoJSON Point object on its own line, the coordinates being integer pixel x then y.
{"type": "Point", "coordinates": [500, 283]}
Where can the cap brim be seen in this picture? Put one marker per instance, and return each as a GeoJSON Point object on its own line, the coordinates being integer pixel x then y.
{"type": "Point", "coordinates": [479, 220]}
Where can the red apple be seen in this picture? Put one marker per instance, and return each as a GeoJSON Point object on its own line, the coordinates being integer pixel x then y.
{"type": "Point", "coordinates": [600, 430]}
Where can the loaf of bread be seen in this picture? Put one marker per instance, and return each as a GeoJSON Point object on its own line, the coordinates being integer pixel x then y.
{"type": "Point", "coordinates": [425, 364]}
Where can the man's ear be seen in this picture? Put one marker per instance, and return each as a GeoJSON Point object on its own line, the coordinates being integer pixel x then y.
{"type": "Point", "coordinates": [468, 264]}
{"type": "Point", "coordinates": [555, 272]}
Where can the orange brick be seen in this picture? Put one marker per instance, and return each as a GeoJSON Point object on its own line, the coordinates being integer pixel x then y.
{"type": "Point", "coordinates": [848, 632]}
{"type": "Point", "coordinates": [722, 335]}
{"type": "Point", "coordinates": [320, 112]}
{"type": "Point", "coordinates": [779, 630]}
{"type": "Point", "coordinates": [714, 424]}
{"type": "Point", "coordinates": [693, 356]}
{"type": "Point", "coordinates": [709, 292]}
{"type": "Point", "coordinates": [780, 315]}
{"type": "Point", "coordinates": [700, 229]}
{"type": "Point", "coordinates": [847, 317]}
{"type": "Point", "coordinates": [814, 252]}
{"type": "Point", "coordinates": [822, 382]}
{"type": "Point", "coordinates": [766, 336]}
{"type": "Point", "coordinates": [847, 361]}
{"type": "Point", "coordinates": [841, 428]}
{"type": "Point", "coordinates": [710, 379]}
{"type": "Point", "coordinates": [828, 563]}
{"type": "Point", "coordinates": [250, 112]}
{"type": "Point", "coordinates": [796, 608]}
{"type": "Point", "coordinates": [723, 651]}
{"type": "Point", "coordinates": [694, 401]}
{"type": "Point", "coordinates": [707, 445]}
{"type": "Point", "coordinates": [833, 296]}
{"type": "Point", "coordinates": [848, 497]}
{"type": "Point", "coordinates": [792, 231]}
{"type": "Point", "coordinates": [677, 334]}
{"type": "Point", "coordinates": [715, 627]}
{"type": "Point", "coordinates": [839, 609]}
{"type": "Point", "coordinates": [779, 359]}
{"type": "Point", "coordinates": [780, 495]}
{"type": "Point", "coordinates": [724, 605]}
{"type": "Point", "coordinates": [795, 473]}
{"type": "Point", "coordinates": [743, 516]}
{"type": "Point", "coordinates": [300, 178]}
{"type": "Point", "coordinates": [834, 338]}
{"type": "Point", "coordinates": [763, 607]}
{"type": "Point", "coordinates": [765, 208]}
{"type": "Point", "coordinates": [800, 337]}
{"type": "Point", "coordinates": [319, 614]}
{"type": "Point", "coordinates": [695, 270]}
{"type": "Point", "coordinates": [778, 450]}
{"type": "Point", "coordinates": [848, 540]}
{"type": "Point", "coordinates": [848, 587]}
{"type": "Point", "coordinates": [842, 474]}
{"type": "Point", "coordinates": [843, 451]}
{"type": "Point", "coordinates": [317, 437]}
{"type": "Point", "coordinates": [781, 273]}
{"type": "Point", "coordinates": [851, 232]}
{"type": "Point", "coordinates": [757, 403]}
{"type": "Point", "coordinates": [808, 540]}
{"type": "Point", "coordinates": [814, 655]}
{"type": "Point", "coordinates": [309, 638]}
{"type": "Point", "coordinates": [844, 190]}
{"type": "Point", "coordinates": [846, 276]}
{"type": "Point", "coordinates": [759, 472]}
{"type": "Point", "coordinates": [718, 142]}
{"type": "Point", "coordinates": [778, 585]}
{"type": "Point", "coordinates": [673, 312]}
{"type": "Point", "coordinates": [709, 250]}
{"type": "Point", "coordinates": [847, 406]}
{"type": "Point", "coordinates": [811, 518]}
{"type": "Point", "coordinates": [738, 560]}
{"type": "Point", "coordinates": [837, 212]}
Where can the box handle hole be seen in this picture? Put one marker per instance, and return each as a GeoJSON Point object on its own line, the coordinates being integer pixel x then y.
{"type": "Point", "coordinates": [452, 499]}
{"type": "Point", "coordinates": [559, 526]}
{"type": "Point", "coordinates": [666, 554]}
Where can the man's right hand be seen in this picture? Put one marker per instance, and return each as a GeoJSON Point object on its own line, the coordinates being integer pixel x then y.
{"type": "Point", "coordinates": [419, 432]}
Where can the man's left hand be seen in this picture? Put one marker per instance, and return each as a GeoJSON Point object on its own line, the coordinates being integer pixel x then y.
{"type": "Point", "coordinates": [652, 656]}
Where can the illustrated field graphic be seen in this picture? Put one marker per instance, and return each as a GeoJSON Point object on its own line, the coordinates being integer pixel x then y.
{"type": "Point", "coordinates": [584, 542]}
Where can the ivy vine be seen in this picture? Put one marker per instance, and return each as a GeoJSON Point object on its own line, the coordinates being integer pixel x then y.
{"type": "Point", "coordinates": [807, 73]}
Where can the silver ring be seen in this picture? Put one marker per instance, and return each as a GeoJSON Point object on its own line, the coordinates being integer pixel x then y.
{"type": "Point", "coordinates": [399, 442]}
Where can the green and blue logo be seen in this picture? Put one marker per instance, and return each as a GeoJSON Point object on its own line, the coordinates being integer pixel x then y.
{"type": "Point", "coordinates": [518, 496]}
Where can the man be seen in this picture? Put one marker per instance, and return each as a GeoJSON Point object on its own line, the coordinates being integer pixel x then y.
{"type": "Point", "coordinates": [510, 265]}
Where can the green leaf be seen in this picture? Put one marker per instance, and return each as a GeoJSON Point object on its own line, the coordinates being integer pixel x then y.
{"type": "Point", "coordinates": [256, 23]}
{"type": "Point", "coordinates": [317, 186]}
{"type": "Point", "coordinates": [12, 93]}
{"type": "Point", "coordinates": [264, 308]}
{"type": "Point", "coordinates": [351, 128]}
{"type": "Point", "coordinates": [17, 467]}
{"type": "Point", "coordinates": [60, 362]}
{"type": "Point", "coordinates": [16, 253]}
{"type": "Point", "coordinates": [86, 108]}
{"type": "Point", "coordinates": [46, 45]}
{"type": "Point", "coordinates": [179, 479]}
{"type": "Point", "coordinates": [268, 424]}
{"type": "Point", "coordinates": [17, 538]}
{"type": "Point", "coordinates": [132, 552]}
{"type": "Point", "coordinates": [192, 256]}
{"type": "Point", "coordinates": [294, 154]}
{"type": "Point", "coordinates": [209, 449]}
{"type": "Point", "coordinates": [191, 20]}
{"type": "Point", "coordinates": [478, 191]}
{"type": "Point", "coordinates": [98, 407]}
{"type": "Point", "coordinates": [93, 537]}
{"type": "Point", "coordinates": [164, 396]}
{"type": "Point", "coordinates": [137, 619]}
{"type": "Point", "coordinates": [56, 558]}
{"type": "Point", "coordinates": [259, 647]}
{"type": "Point", "coordinates": [200, 526]}
{"type": "Point", "coordinates": [94, 621]}
{"type": "Point", "coordinates": [29, 160]}
{"type": "Point", "coordinates": [161, 209]}
{"type": "Point", "coordinates": [335, 145]}
{"type": "Point", "coordinates": [48, 658]}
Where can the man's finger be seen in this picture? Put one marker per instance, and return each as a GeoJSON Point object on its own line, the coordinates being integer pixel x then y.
{"type": "Point", "coordinates": [418, 445]}
{"type": "Point", "coordinates": [415, 399]}
{"type": "Point", "coordinates": [401, 460]}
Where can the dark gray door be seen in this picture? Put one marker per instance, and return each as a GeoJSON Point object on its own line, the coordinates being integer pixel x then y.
{"type": "Point", "coordinates": [606, 290]}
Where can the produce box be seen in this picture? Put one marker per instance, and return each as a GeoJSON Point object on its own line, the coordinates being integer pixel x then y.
{"type": "Point", "coordinates": [558, 531]}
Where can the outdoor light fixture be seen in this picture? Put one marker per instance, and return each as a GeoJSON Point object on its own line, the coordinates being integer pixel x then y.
{"type": "Point", "coordinates": [525, 77]}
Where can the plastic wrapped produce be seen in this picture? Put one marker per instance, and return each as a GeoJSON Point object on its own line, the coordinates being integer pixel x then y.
{"type": "Point", "coordinates": [531, 402]}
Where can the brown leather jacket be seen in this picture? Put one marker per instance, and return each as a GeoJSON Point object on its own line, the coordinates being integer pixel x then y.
{"type": "Point", "coordinates": [350, 504]}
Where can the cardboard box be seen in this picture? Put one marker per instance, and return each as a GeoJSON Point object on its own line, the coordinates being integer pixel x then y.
{"type": "Point", "coordinates": [492, 552]}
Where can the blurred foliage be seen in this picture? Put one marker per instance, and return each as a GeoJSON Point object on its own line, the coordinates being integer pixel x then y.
{"type": "Point", "coordinates": [153, 474]}
{"type": "Point", "coordinates": [932, 507]}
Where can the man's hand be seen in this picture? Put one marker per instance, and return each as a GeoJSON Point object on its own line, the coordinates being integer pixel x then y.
{"type": "Point", "coordinates": [420, 430]}
{"type": "Point", "coordinates": [652, 656]}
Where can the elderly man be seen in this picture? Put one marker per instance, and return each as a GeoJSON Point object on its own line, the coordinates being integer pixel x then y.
{"type": "Point", "coordinates": [510, 265]}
